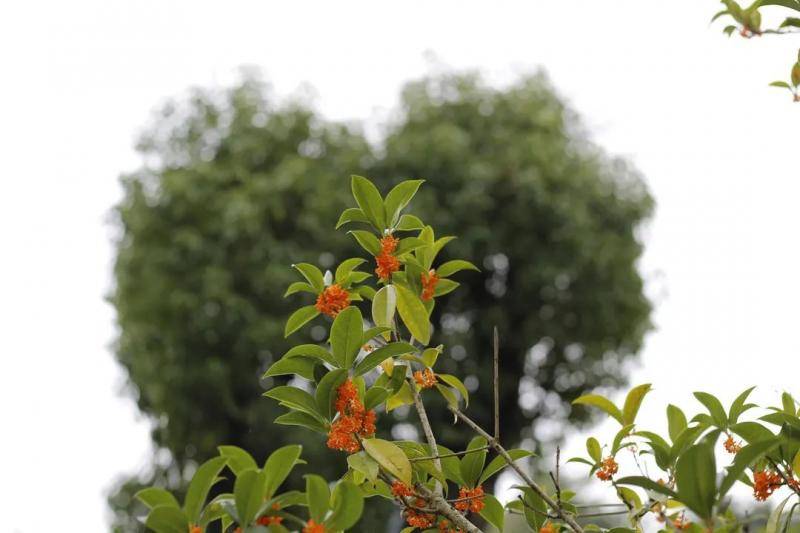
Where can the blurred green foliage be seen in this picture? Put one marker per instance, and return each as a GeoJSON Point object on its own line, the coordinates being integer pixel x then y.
{"type": "Point", "coordinates": [237, 186]}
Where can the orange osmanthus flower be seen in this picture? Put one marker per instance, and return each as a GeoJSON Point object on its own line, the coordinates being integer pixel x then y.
{"type": "Point", "coordinates": [269, 520]}
{"type": "Point", "coordinates": [680, 522]}
{"type": "Point", "coordinates": [425, 378]}
{"type": "Point", "coordinates": [313, 527]}
{"type": "Point", "coordinates": [195, 529]}
{"type": "Point", "coordinates": [401, 489]}
{"type": "Point", "coordinates": [765, 482]}
{"type": "Point", "coordinates": [332, 300]}
{"type": "Point", "coordinates": [608, 468]}
{"type": "Point", "coordinates": [446, 527]}
{"type": "Point", "coordinates": [353, 420]}
{"type": "Point", "coordinates": [419, 519]}
{"type": "Point", "coordinates": [732, 446]}
{"type": "Point", "coordinates": [548, 527]}
{"type": "Point", "coordinates": [429, 280]}
{"type": "Point", "coordinates": [387, 263]}
{"type": "Point", "coordinates": [470, 499]}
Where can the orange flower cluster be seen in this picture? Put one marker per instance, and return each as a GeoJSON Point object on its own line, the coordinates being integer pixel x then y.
{"type": "Point", "coordinates": [608, 468]}
{"type": "Point", "coordinates": [425, 378]}
{"type": "Point", "coordinates": [446, 527]}
{"type": "Point", "coordinates": [732, 446]}
{"type": "Point", "coordinates": [387, 263]}
{"type": "Point", "coordinates": [429, 280]}
{"type": "Point", "coordinates": [765, 482]}
{"type": "Point", "coordinates": [419, 519]}
{"type": "Point", "coordinates": [547, 527]}
{"type": "Point", "coordinates": [353, 419]}
{"type": "Point", "coordinates": [269, 520]}
{"type": "Point", "coordinates": [680, 522]}
{"type": "Point", "coordinates": [313, 527]}
{"type": "Point", "coordinates": [332, 300]}
{"type": "Point", "coordinates": [400, 489]}
{"type": "Point", "coordinates": [195, 529]}
{"type": "Point", "coordinates": [470, 499]}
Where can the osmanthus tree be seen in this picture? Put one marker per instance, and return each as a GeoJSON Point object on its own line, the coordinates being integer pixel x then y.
{"type": "Point", "coordinates": [747, 22]}
{"type": "Point", "coordinates": [378, 356]}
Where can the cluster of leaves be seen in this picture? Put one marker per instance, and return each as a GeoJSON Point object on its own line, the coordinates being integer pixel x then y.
{"type": "Point", "coordinates": [255, 505]}
{"type": "Point", "coordinates": [688, 492]}
{"type": "Point", "coordinates": [747, 22]}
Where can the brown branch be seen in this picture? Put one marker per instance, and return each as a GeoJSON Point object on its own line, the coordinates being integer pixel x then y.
{"type": "Point", "coordinates": [562, 514]}
{"type": "Point", "coordinates": [437, 502]}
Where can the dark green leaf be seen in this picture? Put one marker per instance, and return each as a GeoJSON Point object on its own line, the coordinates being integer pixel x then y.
{"type": "Point", "coordinates": [346, 333]}
{"type": "Point", "coordinates": [472, 463]}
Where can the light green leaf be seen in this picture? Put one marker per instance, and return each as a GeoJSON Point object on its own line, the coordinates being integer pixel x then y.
{"type": "Point", "coordinates": [155, 496]}
{"type": "Point", "coordinates": [167, 519]}
{"type": "Point", "coordinates": [451, 267]}
{"type": "Point", "coordinates": [774, 520]}
{"type": "Point", "coordinates": [369, 200]}
{"type": "Point", "coordinates": [312, 274]}
{"type": "Point", "coordinates": [238, 460]}
{"type": "Point", "coordinates": [593, 447]}
{"type": "Point", "coordinates": [346, 333]}
{"type": "Point", "coordinates": [311, 350]}
{"type": "Point", "coordinates": [325, 394]}
{"type": "Point", "coordinates": [299, 318]}
{"type": "Point", "coordinates": [413, 314]}
{"type": "Point", "coordinates": [296, 399]}
{"type": "Point", "coordinates": [714, 407]}
{"type": "Point", "coordinates": [319, 497]}
{"type": "Point", "coordinates": [376, 357]}
{"type": "Point", "coordinates": [499, 463]}
{"type": "Point", "coordinates": [248, 492]}
{"type": "Point", "coordinates": [676, 421]}
{"type": "Point", "coordinates": [299, 418]}
{"type": "Point", "coordinates": [383, 308]}
{"type": "Point", "coordinates": [633, 401]}
{"type": "Point", "coordinates": [390, 457]}
{"type": "Point", "coordinates": [346, 267]}
{"type": "Point", "coordinates": [456, 384]}
{"type": "Point", "coordinates": [351, 214]}
{"type": "Point", "coordinates": [363, 463]}
{"type": "Point", "coordinates": [695, 475]}
{"type": "Point", "coordinates": [202, 481]}
{"type": "Point", "coordinates": [348, 504]}
{"type": "Point", "coordinates": [399, 197]}
{"type": "Point", "coordinates": [299, 286]}
{"type": "Point", "coordinates": [603, 403]}
{"type": "Point", "coordinates": [472, 463]}
{"type": "Point", "coordinates": [302, 366]}
{"type": "Point", "coordinates": [278, 467]}
{"type": "Point", "coordinates": [368, 241]}
{"type": "Point", "coordinates": [409, 223]}
{"type": "Point", "coordinates": [649, 484]}
{"type": "Point", "coordinates": [493, 511]}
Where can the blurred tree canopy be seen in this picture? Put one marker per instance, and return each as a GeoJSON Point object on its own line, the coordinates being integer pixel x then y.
{"type": "Point", "coordinates": [237, 186]}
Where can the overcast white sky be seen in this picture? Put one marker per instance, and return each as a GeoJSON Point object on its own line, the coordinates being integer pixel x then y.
{"type": "Point", "coordinates": [653, 81]}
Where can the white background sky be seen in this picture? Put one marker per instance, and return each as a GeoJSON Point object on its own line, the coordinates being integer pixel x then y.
{"type": "Point", "coordinates": [653, 81]}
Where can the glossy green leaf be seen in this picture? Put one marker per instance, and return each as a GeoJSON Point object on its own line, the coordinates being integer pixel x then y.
{"type": "Point", "coordinates": [295, 398]}
{"type": "Point", "coordinates": [348, 504]}
{"type": "Point", "coordinates": [493, 511]}
{"type": "Point", "coordinates": [409, 223]}
{"type": "Point", "coordinates": [278, 467]}
{"type": "Point", "coordinates": [302, 366]}
{"type": "Point", "coordinates": [451, 267]}
{"type": "Point", "coordinates": [376, 357]}
{"type": "Point", "coordinates": [368, 241]}
{"type": "Point", "coordinates": [390, 457]}
{"type": "Point", "coordinates": [695, 475]}
{"type": "Point", "coordinates": [456, 384]}
{"type": "Point", "coordinates": [399, 197]}
{"type": "Point", "coordinates": [633, 401]}
{"type": "Point", "coordinates": [738, 406]}
{"type": "Point", "coordinates": [155, 496]}
{"type": "Point", "coordinates": [365, 464]}
{"type": "Point", "coordinates": [346, 334]}
{"type": "Point", "coordinates": [204, 478]}
{"type": "Point", "coordinates": [676, 421]}
{"type": "Point", "coordinates": [325, 395]}
{"type": "Point", "coordinates": [248, 493]}
{"type": "Point", "coordinates": [299, 286]}
{"type": "Point", "coordinates": [413, 314]}
{"type": "Point", "coordinates": [384, 305]}
{"type": "Point", "coordinates": [351, 214]}
{"type": "Point", "coordinates": [312, 274]}
{"type": "Point", "coordinates": [593, 447]}
{"type": "Point", "coordinates": [714, 407]}
{"type": "Point", "coordinates": [369, 200]}
{"type": "Point", "coordinates": [649, 484]}
{"type": "Point", "coordinates": [311, 350]}
{"type": "Point", "coordinates": [167, 519]}
{"type": "Point", "coordinates": [237, 459]}
{"type": "Point", "coordinates": [602, 403]}
{"type": "Point", "coordinates": [298, 418]}
{"type": "Point", "coordinates": [319, 497]}
{"type": "Point", "coordinates": [346, 267]}
{"type": "Point", "coordinates": [300, 318]}
{"type": "Point", "coordinates": [472, 463]}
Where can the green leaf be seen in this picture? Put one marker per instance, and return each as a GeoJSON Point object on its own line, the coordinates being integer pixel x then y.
{"type": "Point", "coordinates": [649, 484]}
{"type": "Point", "coordinates": [795, 75]}
{"type": "Point", "coordinates": [299, 286]}
{"type": "Point", "coordinates": [383, 307]}
{"type": "Point", "coordinates": [237, 459]}
{"type": "Point", "coordinates": [390, 457]}
{"type": "Point", "coordinates": [593, 447]}
{"type": "Point", "coordinates": [278, 467]}
{"type": "Point", "coordinates": [409, 223]}
{"type": "Point", "coordinates": [167, 519]}
{"type": "Point", "coordinates": [296, 399]}
{"type": "Point", "coordinates": [633, 401]}
{"type": "Point", "coordinates": [744, 458]}
{"type": "Point", "coordinates": [348, 504]}
{"type": "Point", "coordinates": [319, 497]}
{"type": "Point", "coordinates": [361, 462]}
{"type": "Point", "coordinates": [325, 394]}
{"type": "Point", "coordinates": [781, 84]}
{"type": "Point", "coordinates": [409, 244]}
{"type": "Point", "coordinates": [369, 200]}
{"type": "Point", "coordinates": [346, 267]}
{"type": "Point", "coordinates": [719, 14]}
{"type": "Point", "coordinates": [202, 481]}
{"type": "Point", "coordinates": [155, 496]}
{"type": "Point", "coordinates": [413, 314]}
{"type": "Point", "coordinates": [368, 241]}
{"type": "Point", "coordinates": [375, 396]}
{"type": "Point", "coordinates": [790, 22]}
{"type": "Point", "coordinates": [472, 463]}
{"type": "Point", "coordinates": [445, 286]}
{"type": "Point", "coordinates": [498, 463]}
{"type": "Point", "coordinates": [448, 395]}
{"type": "Point", "coordinates": [695, 475]}
{"type": "Point", "coordinates": [346, 333]}
{"type": "Point", "coordinates": [493, 511]}
{"type": "Point", "coordinates": [676, 421]}
{"type": "Point", "coordinates": [534, 509]}
{"type": "Point", "coordinates": [302, 366]}
{"type": "Point", "coordinates": [312, 274]}
{"type": "Point", "coordinates": [399, 197]}
{"type": "Point", "coordinates": [351, 214]}
{"type": "Point", "coordinates": [603, 403]}
{"type": "Point", "coordinates": [248, 492]}
{"type": "Point", "coordinates": [456, 384]}
{"type": "Point", "coordinates": [299, 318]}
{"type": "Point", "coordinates": [451, 267]}
{"type": "Point", "coordinates": [376, 357]}
{"type": "Point", "coordinates": [774, 520]}
{"type": "Point", "coordinates": [738, 406]}
{"type": "Point", "coordinates": [311, 350]}
{"type": "Point", "coordinates": [714, 407]}
{"type": "Point", "coordinates": [298, 418]}
{"type": "Point", "coordinates": [403, 396]}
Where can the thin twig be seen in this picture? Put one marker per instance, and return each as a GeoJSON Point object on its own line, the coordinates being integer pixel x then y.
{"type": "Point", "coordinates": [564, 515]}
{"type": "Point", "coordinates": [453, 454]}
